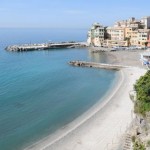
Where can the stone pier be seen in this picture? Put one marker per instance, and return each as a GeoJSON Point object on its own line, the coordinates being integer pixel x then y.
{"type": "Point", "coordinates": [96, 65]}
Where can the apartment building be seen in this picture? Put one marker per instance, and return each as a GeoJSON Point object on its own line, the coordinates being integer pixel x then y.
{"type": "Point", "coordinates": [131, 22]}
{"type": "Point", "coordinates": [96, 35]}
{"type": "Point", "coordinates": [131, 32]}
{"type": "Point", "coordinates": [115, 36]}
{"type": "Point", "coordinates": [146, 22]}
{"type": "Point", "coordinates": [143, 36]}
{"type": "Point", "coordinates": [137, 37]}
{"type": "Point", "coordinates": [132, 35]}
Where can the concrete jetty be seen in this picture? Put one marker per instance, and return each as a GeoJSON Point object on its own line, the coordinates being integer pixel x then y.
{"type": "Point", "coordinates": [44, 46]}
{"type": "Point", "coordinates": [96, 65]}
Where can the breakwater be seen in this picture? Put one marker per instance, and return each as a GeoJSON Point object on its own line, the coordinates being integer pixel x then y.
{"type": "Point", "coordinates": [96, 65]}
{"type": "Point", "coordinates": [45, 46]}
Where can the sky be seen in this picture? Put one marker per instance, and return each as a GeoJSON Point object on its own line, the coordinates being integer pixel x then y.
{"type": "Point", "coordinates": [69, 13]}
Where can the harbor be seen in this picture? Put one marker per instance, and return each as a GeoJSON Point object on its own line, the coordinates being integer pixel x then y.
{"type": "Point", "coordinates": [45, 46]}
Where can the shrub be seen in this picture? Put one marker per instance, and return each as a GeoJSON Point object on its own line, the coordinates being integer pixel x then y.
{"type": "Point", "coordinates": [148, 143]}
{"type": "Point", "coordinates": [133, 139]}
{"type": "Point", "coordinates": [138, 146]}
{"type": "Point", "coordinates": [142, 88]}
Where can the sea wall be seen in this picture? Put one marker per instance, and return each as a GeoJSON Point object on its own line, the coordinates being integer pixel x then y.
{"type": "Point", "coordinates": [45, 46]}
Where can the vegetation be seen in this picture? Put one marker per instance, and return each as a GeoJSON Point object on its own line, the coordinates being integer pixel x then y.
{"type": "Point", "coordinates": [146, 43]}
{"type": "Point", "coordinates": [128, 41]}
{"type": "Point", "coordinates": [133, 138]}
{"type": "Point", "coordinates": [142, 87]}
{"type": "Point", "coordinates": [138, 146]}
{"type": "Point", "coordinates": [148, 143]}
{"type": "Point", "coordinates": [106, 35]}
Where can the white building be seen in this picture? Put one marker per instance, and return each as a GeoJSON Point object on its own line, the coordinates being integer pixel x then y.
{"type": "Point", "coordinates": [146, 22]}
{"type": "Point", "coordinates": [96, 35]}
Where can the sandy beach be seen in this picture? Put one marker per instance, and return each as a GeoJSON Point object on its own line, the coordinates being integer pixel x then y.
{"type": "Point", "coordinates": [122, 57]}
{"type": "Point", "coordinates": [104, 129]}
{"type": "Point", "coordinates": [105, 124]}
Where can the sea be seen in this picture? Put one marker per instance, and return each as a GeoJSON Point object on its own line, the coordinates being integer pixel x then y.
{"type": "Point", "coordinates": [39, 91]}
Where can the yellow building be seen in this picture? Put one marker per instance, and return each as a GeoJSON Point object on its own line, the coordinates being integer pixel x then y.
{"type": "Point", "coordinates": [132, 35]}
{"type": "Point", "coordinates": [116, 36]}
{"type": "Point", "coordinates": [131, 32]}
{"type": "Point", "coordinates": [137, 37]}
{"type": "Point", "coordinates": [127, 33]}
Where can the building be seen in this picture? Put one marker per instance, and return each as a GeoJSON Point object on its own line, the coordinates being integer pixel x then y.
{"type": "Point", "coordinates": [143, 36]}
{"type": "Point", "coordinates": [131, 32]}
{"type": "Point", "coordinates": [131, 22]}
{"type": "Point", "coordinates": [115, 36]}
{"type": "Point", "coordinates": [146, 22]}
{"type": "Point", "coordinates": [137, 37]}
{"type": "Point", "coordinates": [148, 41]}
{"type": "Point", "coordinates": [117, 33]}
{"type": "Point", "coordinates": [96, 35]}
{"type": "Point", "coordinates": [131, 36]}
{"type": "Point", "coordinates": [123, 33]}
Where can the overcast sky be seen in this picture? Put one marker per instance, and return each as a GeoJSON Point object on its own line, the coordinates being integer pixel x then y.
{"type": "Point", "coordinates": [69, 13]}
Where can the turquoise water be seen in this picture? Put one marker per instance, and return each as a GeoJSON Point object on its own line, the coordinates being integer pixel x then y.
{"type": "Point", "coordinates": [39, 91]}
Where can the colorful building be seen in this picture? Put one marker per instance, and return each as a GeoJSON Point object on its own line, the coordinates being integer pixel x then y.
{"type": "Point", "coordinates": [115, 36]}
{"type": "Point", "coordinates": [131, 36]}
{"type": "Point", "coordinates": [131, 32]}
{"type": "Point", "coordinates": [131, 22]}
{"type": "Point", "coordinates": [143, 36]}
{"type": "Point", "coordinates": [116, 33]}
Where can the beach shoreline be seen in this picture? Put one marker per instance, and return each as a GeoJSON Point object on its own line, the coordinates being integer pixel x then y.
{"type": "Point", "coordinates": [93, 130]}
{"type": "Point", "coordinates": [67, 129]}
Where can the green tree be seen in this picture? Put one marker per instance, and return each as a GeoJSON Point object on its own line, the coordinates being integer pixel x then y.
{"type": "Point", "coordinates": [146, 43]}
{"type": "Point", "coordinates": [142, 87]}
{"type": "Point", "coordinates": [138, 146]}
{"type": "Point", "coordinates": [128, 41]}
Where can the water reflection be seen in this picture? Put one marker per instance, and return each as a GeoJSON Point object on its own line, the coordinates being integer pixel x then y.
{"type": "Point", "coordinates": [100, 57]}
